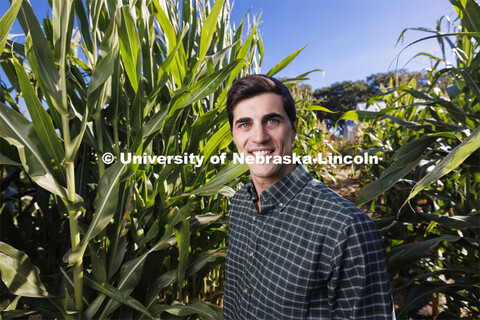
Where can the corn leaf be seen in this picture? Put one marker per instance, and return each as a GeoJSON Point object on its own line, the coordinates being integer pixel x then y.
{"type": "Point", "coordinates": [285, 62]}
{"type": "Point", "coordinates": [410, 253]}
{"type": "Point", "coordinates": [416, 298]}
{"type": "Point", "coordinates": [405, 159]}
{"type": "Point", "coordinates": [105, 206]}
{"type": "Point", "coordinates": [130, 47]}
{"type": "Point", "coordinates": [216, 141]}
{"type": "Point", "coordinates": [205, 86]}
{"type": "Point", "coordinates": [359, 116]}
{"type": "Point", "coordinates": [43, 124]}
{"type": "Point", "coordinates": [45, 70]}
{"type": "Point", "coordinates": [218, 183]}
{"type": "Point", "coordinates": [7, 21]}
{"type": "Point", "coordinates": [197, 307]}
{"type": "Point", "coordinates": [209, 27]}
{"type": "Point", "coordinates": [455, 158]}
{"type": "Point", "coordinates": [131, 271]}
{"type": "Point", "coordinates": [117, 295]}
{"type": "Point", "coordinates": [20, 132]}
{"type": "Point", "coordinates": [19, 274]}
{"type": "Point", "coordinates": [182, 235]}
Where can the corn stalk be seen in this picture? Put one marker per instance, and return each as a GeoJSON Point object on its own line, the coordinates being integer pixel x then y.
{"type": "Point", "coordinates": [138, 77]}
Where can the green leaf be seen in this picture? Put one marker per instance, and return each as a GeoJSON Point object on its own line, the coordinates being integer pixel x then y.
{"type": "Point", "coordinates": [407, 254]}
{"type": "Point", "coordinates": [197, 307]}
{"type": "Point", "coordinates": [404, 160]}
{"type": "Point", "coordinates": [455, 158]}
{"type": "Point", "coordinates": [205, 86]}
{"type": "Point", "coordinates": [7, 161]}
{"type": "Point", "coordinates": [20, 132]}
{"type": "Point", "coordinates": [469, 13]}
{"type": "Point", "coordinates": [182, 235]}
{"type": "Point", "coordinates": [15, 314]}
{"type": "Point", "coordinates": [454, 222]}
{"type": "Point", "coordinates": [218, 183]}
{"type": "Point", "coordinates": [40, 58]}
{"type": "Point", "coordinates": [131, 271]}
{"type": "Point", "coordinates": [359, 116]}
{"type": "Point", "coordinates": [42, 122]}
{"type": "Point", "coordinates": [416, 297]}
{"type": "Point", "coordinates": [118, 295]}
{"type": "Point", "coordinates": [170, 277]}
{"type": "Point", "coordinates": [202, 125]}
{"type": "Point", "coordinates": [216, 141]}
{"type": "Point", "coordinates": [103, 70]}
{"type": "Point", "coordinates": [393, 173]}
{"type": "Point", "coordinates": [155, 124]}
{"type": "Point", "coordinates": [130, 47]}
{"type": "Point", "coordinates": [7, 21]}
{"type": "Point", "coordinates": [62, 19]}
{"type": "Point", "coordinates": [209, 27]}
{"type": "Point", "coordinates": [19, 274]}
{"type": "Point", "coordinates": [243, 55]}
{"type": "Point", "coordinates": [168, 29]}
{"type": "Point", "coordinates": [318, 108]}
{"type": "Point", "coordinates": [105, 205]}
{"type": "Point", "coordinates": [82, 22]}
{"type": "Point", "coordinates": [285, 62]}
{"type": "Point", "coordinates": [201, 221]}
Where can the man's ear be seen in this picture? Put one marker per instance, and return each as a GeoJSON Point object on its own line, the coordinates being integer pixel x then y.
{"type": "Point", "coordinates": [295, 124]}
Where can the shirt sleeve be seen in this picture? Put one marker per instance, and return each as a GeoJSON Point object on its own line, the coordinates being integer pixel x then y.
{"type": "Point", "coordinates": [359, 287]}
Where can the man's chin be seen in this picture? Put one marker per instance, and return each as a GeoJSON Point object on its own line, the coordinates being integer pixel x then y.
{"type": "Point", "coordinates": [264, 171]}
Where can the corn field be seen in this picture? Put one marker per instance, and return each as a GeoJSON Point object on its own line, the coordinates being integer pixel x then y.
{"type": "Point", "coordinates": [82, 239]}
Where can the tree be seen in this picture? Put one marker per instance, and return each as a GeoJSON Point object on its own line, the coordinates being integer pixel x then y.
{"type": "Point", "coordinates": [344, 96]}
{"type": "Point", "coordinates": [341, 97]}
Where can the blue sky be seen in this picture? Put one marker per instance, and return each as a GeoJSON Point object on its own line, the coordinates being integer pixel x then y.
{"type": "Point", "coordinates": [347, 39]}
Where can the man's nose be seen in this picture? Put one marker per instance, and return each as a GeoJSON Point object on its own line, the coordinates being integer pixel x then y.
{"type": "Point", "coordinates": [260, 134]}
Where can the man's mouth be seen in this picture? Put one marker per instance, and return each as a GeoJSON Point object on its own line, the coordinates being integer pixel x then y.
{"type": "Point", "coordinates": [262, 153]}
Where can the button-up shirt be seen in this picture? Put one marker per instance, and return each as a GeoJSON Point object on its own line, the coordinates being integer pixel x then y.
{"type": "Point", "coordinates": [309, 254]}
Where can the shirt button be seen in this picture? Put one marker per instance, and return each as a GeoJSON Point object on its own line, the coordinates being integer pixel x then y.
{"type": "Point", "coordinates": [251, 253]}
{"type": "Point", "coordinates": [254, 218]}
{"type": "Point", "coordinates": [246, 290]}
{"type": "Point", "coordinates": [280, 204]}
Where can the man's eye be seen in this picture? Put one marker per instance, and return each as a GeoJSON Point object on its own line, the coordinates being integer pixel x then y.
{"type": "Point", "coordinates": [272, 121]}
{"type": "Point", "coordinates": [244, 125]}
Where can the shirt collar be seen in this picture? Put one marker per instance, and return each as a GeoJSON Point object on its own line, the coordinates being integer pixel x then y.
{"type": "Point", "coordinates": [283, 190]}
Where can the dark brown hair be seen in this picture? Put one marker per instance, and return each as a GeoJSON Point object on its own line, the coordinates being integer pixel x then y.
{"type": "Point", "coordinates": [253, 85]}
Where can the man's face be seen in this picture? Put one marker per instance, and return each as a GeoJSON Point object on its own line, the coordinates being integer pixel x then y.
{"type": "Point", "coordinates": [261, 128]}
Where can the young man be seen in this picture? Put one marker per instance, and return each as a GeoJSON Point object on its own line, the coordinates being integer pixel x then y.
{"type": "Point", "coordinates": [297, 250]}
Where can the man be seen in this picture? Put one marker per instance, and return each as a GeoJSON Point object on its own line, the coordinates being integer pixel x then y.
{"type": "Point", "coordinates": [297, 250]}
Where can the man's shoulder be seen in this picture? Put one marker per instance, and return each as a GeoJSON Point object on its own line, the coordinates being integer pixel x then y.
{"type": "Point", "coordinates": [327, 204]}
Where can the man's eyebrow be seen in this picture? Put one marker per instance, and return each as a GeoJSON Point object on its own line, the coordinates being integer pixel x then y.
{"type": "Point", "coordinates": [272, 115]}
{"type": "Point", "coordinates": [243, 120]}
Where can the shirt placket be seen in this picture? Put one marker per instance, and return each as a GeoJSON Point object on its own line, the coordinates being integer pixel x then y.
{"type": "Point", "coordinates": [257, 224]}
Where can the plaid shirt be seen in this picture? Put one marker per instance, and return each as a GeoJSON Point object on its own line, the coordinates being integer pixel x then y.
{"type": "Point", "coordinates": [309, 254]}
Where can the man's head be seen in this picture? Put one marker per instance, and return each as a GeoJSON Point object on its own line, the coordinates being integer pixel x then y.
{"type": "Point", "coordinates": [254, 85]}
{"type": "Point", "coordinates": [263, 126]}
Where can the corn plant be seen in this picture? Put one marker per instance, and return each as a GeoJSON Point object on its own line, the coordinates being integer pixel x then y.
{"type": "Point", "coordinates": [427, 189]}
{"type": "Point", "coordinates": [83, 238]}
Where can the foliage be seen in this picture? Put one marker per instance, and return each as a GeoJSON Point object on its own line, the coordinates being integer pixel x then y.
{"type": "Point", "coordinates": [381, 80]}
{"type": "Point", "coordinates": [427, 189]}
{"type": "Point", "coordinates": [126, 240]}
{"type": "Point", "coordinates": [312, 136]}
{"type": "Point", "coordinates": [344, 96]}
{"type": "Point", "coordinates": [341, 97]}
